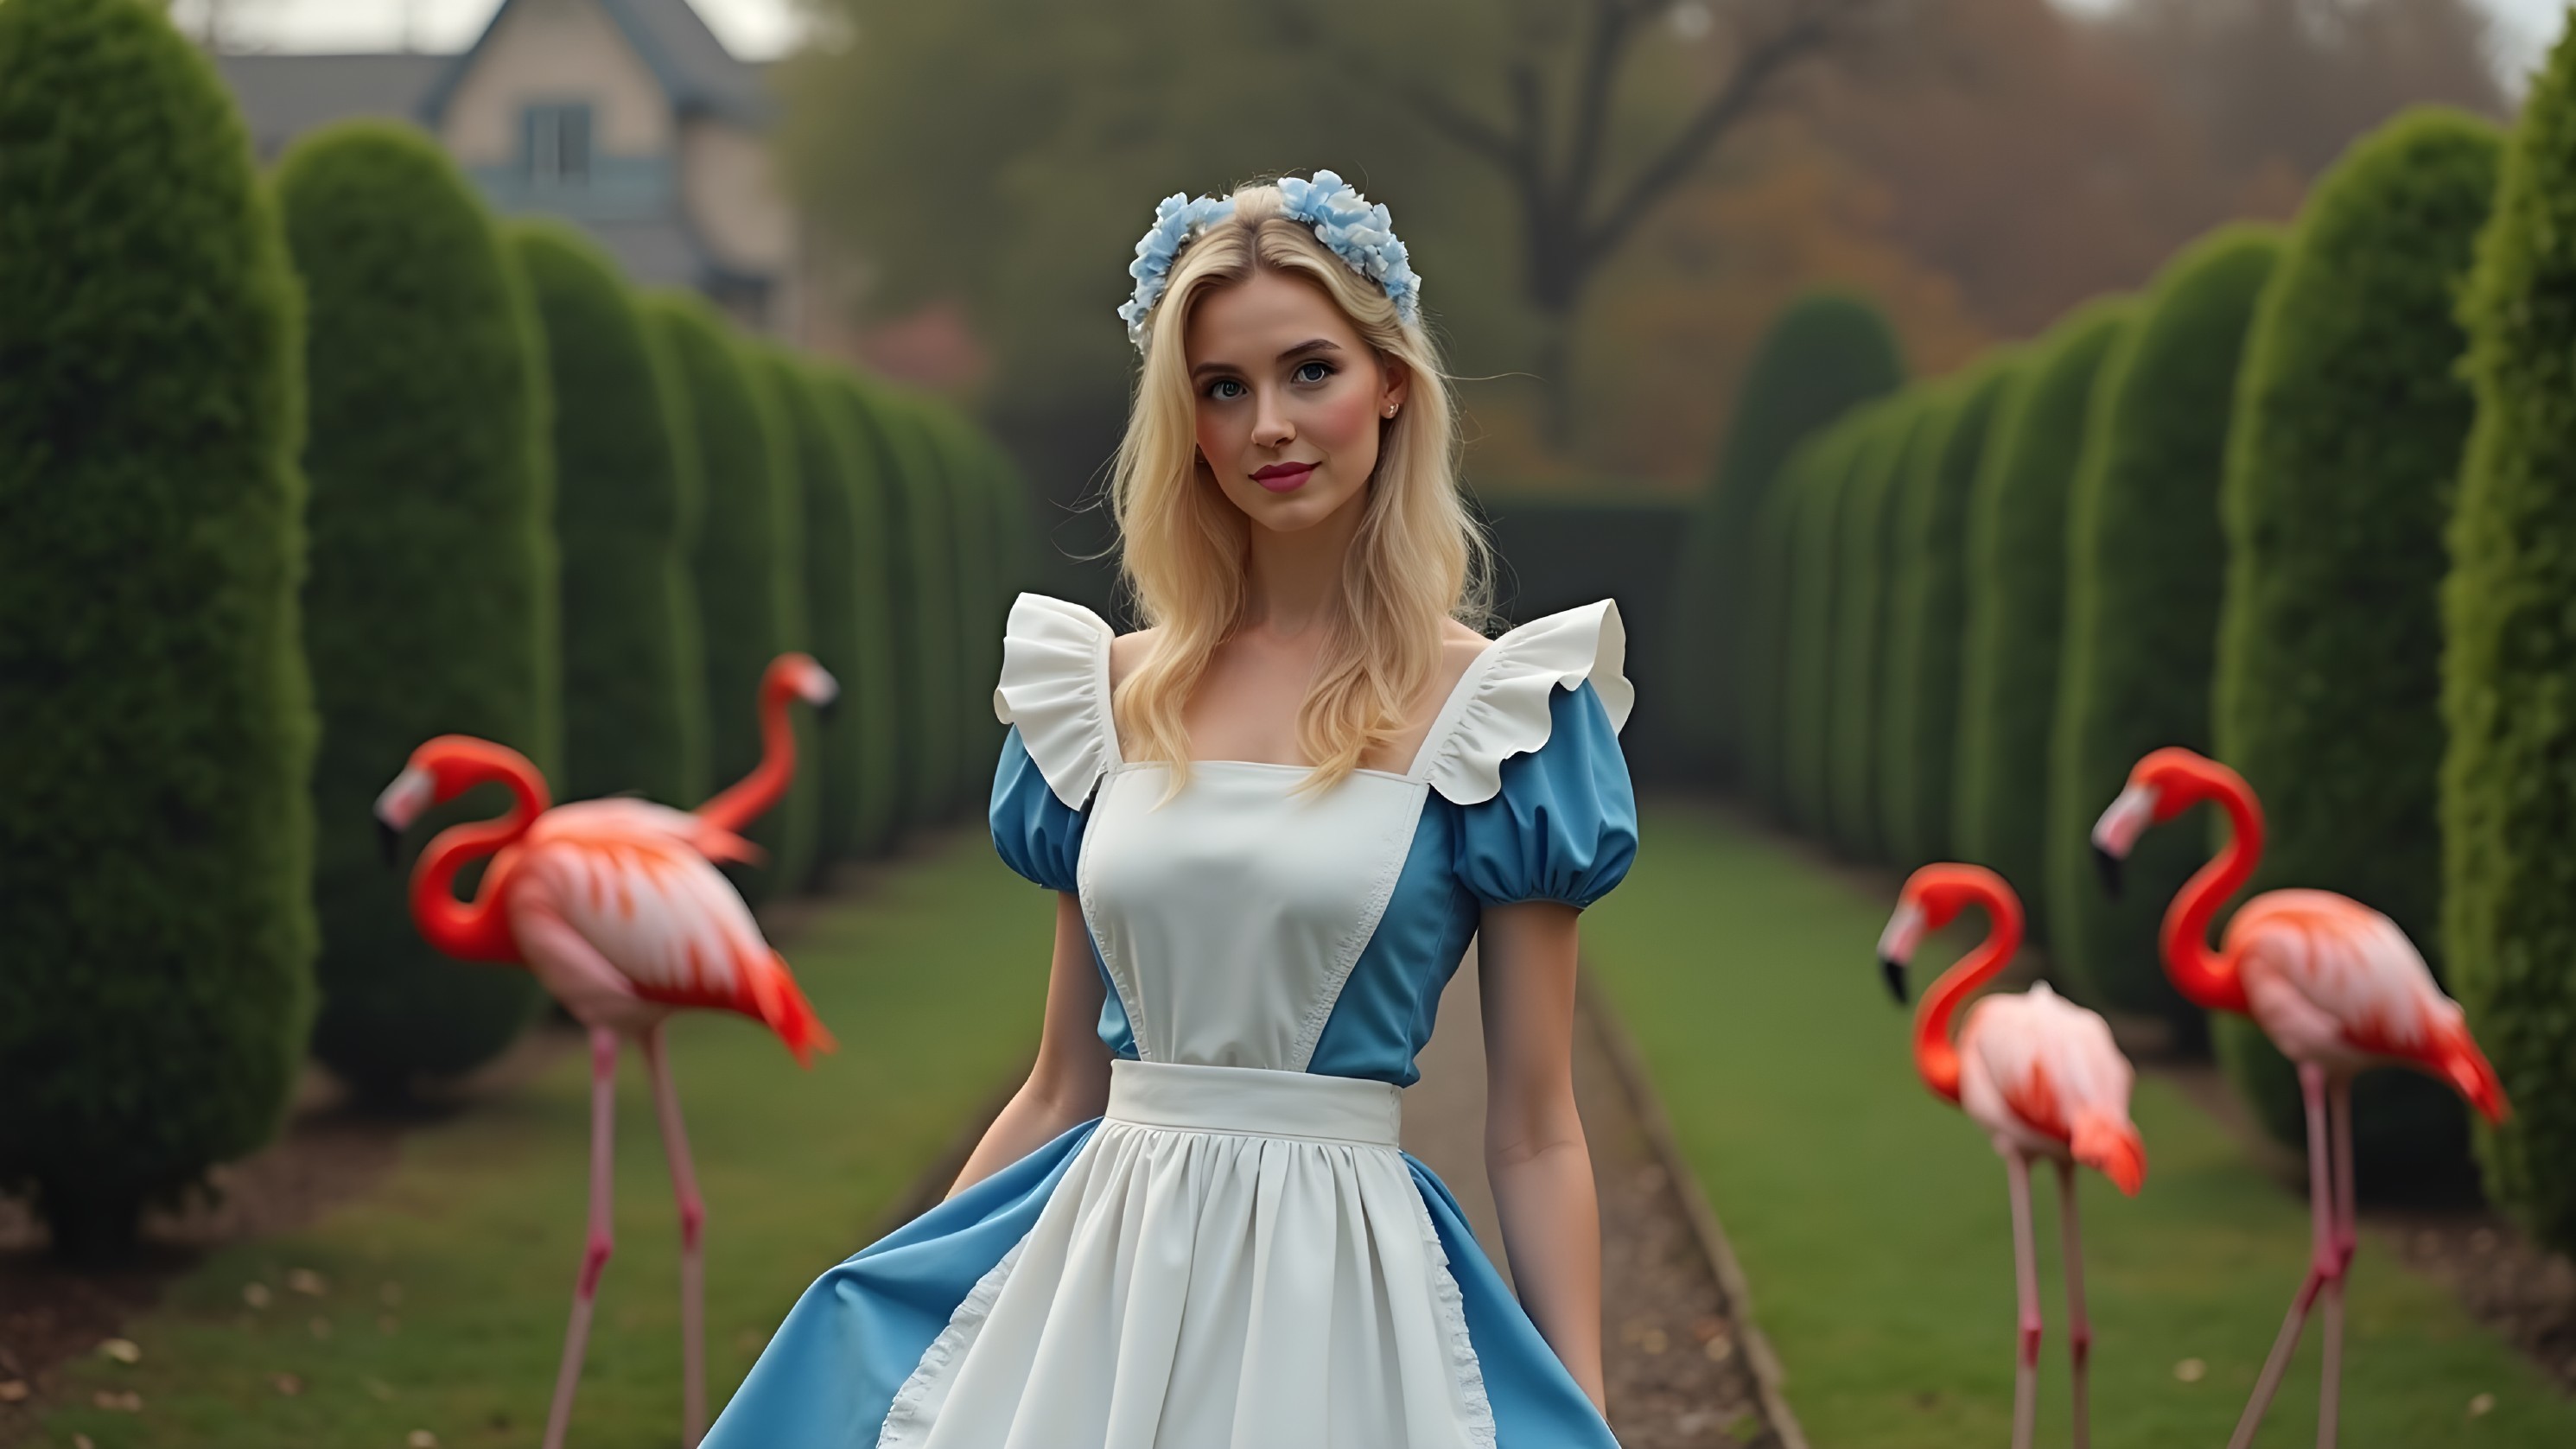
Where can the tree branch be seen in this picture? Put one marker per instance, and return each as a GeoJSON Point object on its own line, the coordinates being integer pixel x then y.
{"type": "Point", "coordinates": [1611, 29]}
{"type": "Point", "coordinates": [1743, 90]}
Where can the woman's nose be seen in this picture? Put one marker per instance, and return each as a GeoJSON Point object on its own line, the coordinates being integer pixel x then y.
{"type": "Point", "coordinates": [1270, 427]}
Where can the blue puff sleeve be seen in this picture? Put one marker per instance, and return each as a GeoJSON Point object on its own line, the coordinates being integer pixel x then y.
{"type": "Point", "coordinates": [1563, 827]}
{"type": "Point", "coordinates": [1035, 833]}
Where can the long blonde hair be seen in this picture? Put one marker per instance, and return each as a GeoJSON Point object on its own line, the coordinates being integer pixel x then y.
{"type": "Point", "coordinates": [1419, 556]}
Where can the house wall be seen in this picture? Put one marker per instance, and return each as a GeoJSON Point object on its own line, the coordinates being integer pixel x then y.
{"type": "Point", "coordinates": [556, 51]}
{"type": "Point", "coordinates": [732, 197]}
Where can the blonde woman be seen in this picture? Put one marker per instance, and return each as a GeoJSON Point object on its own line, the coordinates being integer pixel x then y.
{"type": "Point", "coordinates": [1274, 818]}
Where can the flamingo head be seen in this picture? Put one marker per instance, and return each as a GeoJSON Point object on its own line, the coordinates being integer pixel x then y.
{"type": "Point", "coordinates": [1932, 898]}
{"type": "Point", "coordinates": [2162, 785]}
{"type": "Point", "coordinates": [439, 771]}
{"type": "Point", "coordinates": [798, 675]}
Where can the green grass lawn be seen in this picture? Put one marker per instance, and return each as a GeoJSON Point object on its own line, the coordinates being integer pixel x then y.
{"type": "Point", "coordinates": [447, 1286]}
{"type": "Point", "coordinates": [1871, 1217]}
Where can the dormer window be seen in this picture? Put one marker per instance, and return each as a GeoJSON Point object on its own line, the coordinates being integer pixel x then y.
{"type": "Point", "coordinates": [556, 145]}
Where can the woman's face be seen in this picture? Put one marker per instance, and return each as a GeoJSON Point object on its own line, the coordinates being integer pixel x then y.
{"type": "Point", "coordinates": [1290, 400]}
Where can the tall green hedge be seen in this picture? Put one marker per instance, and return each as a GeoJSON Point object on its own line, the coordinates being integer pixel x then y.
{"type": "Point", "coordinates": [626, 506]}
{"type": "Point", "coordinates": [1761, 709]}
{"type": "Point", "coordinates": [1929, 581]}
{"type": "Point", "coordinates": [155, 716]}
{"type": "Point", "coordinates": [872, 692]}
{"type": "Point", "coordinates": [2508, 785]}
{"type": "Point", "coordinates": [926, 582]}
{"type": "Point", "coordinates": [2340, 476]}
{"type": "Point", "coordinates": [1889, 463]}
{"type": "Point", "coordinates": [430, 608]}
{"type": "Point", "coordinates": [1824, 353]}
{"type": "Point", "coordinates": [747, 567]}
{"type": "Point", "coordinates": [829, 529]}
{"type": "Point", "coordinates": [1815, 600]}
{"type": "Point", "coordinates": [2143, 576]}
{"type": "Point", "coordinates": [974, 514]}
{"type": "Point", "coordinates": [2016, 600]}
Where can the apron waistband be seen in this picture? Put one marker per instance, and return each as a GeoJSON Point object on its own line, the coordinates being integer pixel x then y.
{"type": "Point", "coordinates": [1254, 1102]}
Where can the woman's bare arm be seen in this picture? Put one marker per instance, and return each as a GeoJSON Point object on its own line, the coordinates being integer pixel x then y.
{"type": "Point", "coordinates": [1535, 1154]}
{"type": "Point", "coordinates": [1070, 1083]}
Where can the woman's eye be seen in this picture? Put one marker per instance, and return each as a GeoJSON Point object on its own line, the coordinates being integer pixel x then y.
{"type": "Point", "coordinates": [1312, 371]}
{"type": "Point", "coordinates": [1225, 389]}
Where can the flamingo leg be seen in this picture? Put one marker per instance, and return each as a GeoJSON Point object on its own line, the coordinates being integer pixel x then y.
{"type": "Point", "coordinates": [585, 1293]}
{"type": "Point", "coordinates": [2346, 1238]}
{"type": "Point", "coordinates": [2079, 1328]}
{"type": "Point", "coordinates": [693, 1268]}
{"type": "Point", "coordinates": [2323, 1263]}
{"type": "Point", "coordinates": [2026, 1284]}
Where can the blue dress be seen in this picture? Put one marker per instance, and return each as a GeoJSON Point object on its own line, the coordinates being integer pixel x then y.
{"type": "Point", "coordinates": [1236, 1254]}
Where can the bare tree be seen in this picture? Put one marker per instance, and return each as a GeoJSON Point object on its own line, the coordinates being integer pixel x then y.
{"type": "Point", "coordinates": [1582, 182]}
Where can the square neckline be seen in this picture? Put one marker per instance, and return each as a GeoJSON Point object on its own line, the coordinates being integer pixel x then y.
{"type": "Point", "coordinates": [1417, 772]}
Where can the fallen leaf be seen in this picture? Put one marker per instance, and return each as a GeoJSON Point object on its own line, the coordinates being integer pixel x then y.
{"type": "Point", "coordinates": [306, 1282]}
{"type": "Point", "coordinates": [287, 1384]}
{"type": "Point", "coordinates": [83, 1441]}
{"type": "Point", "coordinates": [123, 1350]}
{"type": "Point", "coordinates": [421, 1439]}
{"type": "Point", "coordinates": [2191, 1370]}
{"type": "Point", "coordinates": [255, 1294]}
{"type": "Point", "coordinates": [14, 1391]}
{"type": "Point", "coordinates": [2481, 1406]}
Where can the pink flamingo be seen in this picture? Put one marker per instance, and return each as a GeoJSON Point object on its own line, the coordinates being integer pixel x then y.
{"type": "Point", "coordinates": [2335, 985]}
{"type": "Point", "coordinates": [789, 676]}
{"type": "Point", "coordinates": [616, 906]}
{"type": "Point", "coordinates": [2039, 1073]}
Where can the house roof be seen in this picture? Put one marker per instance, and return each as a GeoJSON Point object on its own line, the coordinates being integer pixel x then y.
{"type": "Point", "coordinates": [693, 66]}
{"type": "Point", "coordinates": [283, 96]}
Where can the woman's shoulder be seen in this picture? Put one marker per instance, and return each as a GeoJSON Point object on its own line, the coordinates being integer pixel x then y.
{"type": "Point", "coordinates": [1128, 650]}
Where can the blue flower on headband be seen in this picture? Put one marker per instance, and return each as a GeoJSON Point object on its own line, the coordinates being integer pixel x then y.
{"type": "Point", "coordinates": [1345, 221]}
{"type": "Point", "coordinates": [1176, 220]}
{"type": "Point", "coordinates": [1359, 233]}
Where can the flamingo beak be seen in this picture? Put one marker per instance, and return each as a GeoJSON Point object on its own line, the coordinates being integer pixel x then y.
{"type": "Point", "coordinates": [2117, 832]}
{"type": "Point", "coordinates": [1896, 947]}
{"type": "Point", "coordinates": [824, 693]}
{"type": "Point", "coordinates": [402, 802]}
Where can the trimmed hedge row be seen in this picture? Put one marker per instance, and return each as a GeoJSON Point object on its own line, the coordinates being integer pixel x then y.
{"type": "Point", "coordinates": [2143, 575]}
{"type": "Point", "coordinates": [1922, 707]}
{"type": "Point", "coordinates": [156, 375]}
{"type": "Point", "coordinates": [1889, 463]}
{"type": "Point", "coordinates": [626, 509]}
{"type": "Point", "coordinates": [2015, 605]}
{"type": "Point", "coordinates": [154, 708]}
{"type": "Point", "coordinates": [1762, 708]}
{"type": "Point", "coordinates": [430, 605]}
{"type": "Point", "coordinates": [746, 567]}
{"type": "Point", "coordinates": [1826, 353]}
{"type": "Point", "coordinates": [2509, 773]}
{"type": "Point", "coordinates": [1816, 607]}
{"type": "Point", "coordinates": [2349, 426]}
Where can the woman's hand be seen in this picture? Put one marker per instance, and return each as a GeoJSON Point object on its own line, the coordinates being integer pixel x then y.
{"type": "Point", "coordinates": [1535, 1154]}
{"type": "Point", "coordinates": [1070, 1083]}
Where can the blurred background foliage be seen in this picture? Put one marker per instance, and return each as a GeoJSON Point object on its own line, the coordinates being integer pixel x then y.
{"type": "Point", "coordinates": [1978, 166]}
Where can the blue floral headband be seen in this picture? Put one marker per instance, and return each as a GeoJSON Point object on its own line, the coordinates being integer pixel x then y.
{"type": "Point", "coordinates": [1345, 221]}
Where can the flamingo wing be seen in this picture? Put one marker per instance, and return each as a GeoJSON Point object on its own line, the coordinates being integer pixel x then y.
{"type": "Point", "coordinates": [2044, 1072]}
{"type": "Point", "coordinates": [634, 881]}
{"type": "Point", "coordinates": [2336, 983]}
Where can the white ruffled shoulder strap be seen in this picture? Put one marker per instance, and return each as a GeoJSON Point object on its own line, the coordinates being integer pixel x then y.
{"type": "Point", "coordinates": [1501, 705]}
{"type": "Point", "coordinates": [1055, 687]}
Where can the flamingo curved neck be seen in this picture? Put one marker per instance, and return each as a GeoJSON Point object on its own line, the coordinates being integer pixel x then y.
{"type": "Point", "coordinates": [2207, 978]}
{"type": "Point", "coordinates": [752, 796]}
{"type": "Point", "coordinates": [1936, 1057]}
{"type": "Point", "coordinates": [475, 930]}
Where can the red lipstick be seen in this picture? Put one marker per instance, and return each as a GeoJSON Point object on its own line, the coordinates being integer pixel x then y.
{"type": "Point", "coordinates": [1282, 477]}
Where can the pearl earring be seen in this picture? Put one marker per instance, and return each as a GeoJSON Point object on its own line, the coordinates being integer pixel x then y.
{"type": "Point", "coordinates": [1390, 410]}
